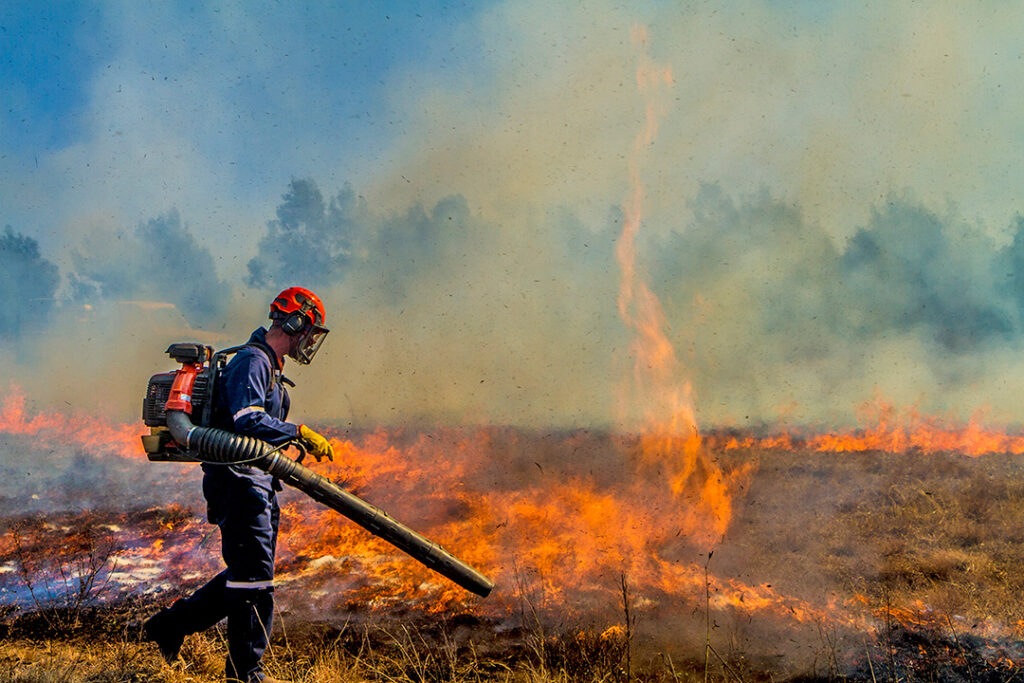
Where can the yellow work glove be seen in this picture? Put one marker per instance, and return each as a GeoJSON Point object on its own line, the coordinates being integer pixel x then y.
{"type": "Point", "coordinates": [317, 444]}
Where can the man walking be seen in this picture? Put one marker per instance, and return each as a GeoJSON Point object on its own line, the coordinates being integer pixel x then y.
{"type": "Point", "coordinates": [250, 399]}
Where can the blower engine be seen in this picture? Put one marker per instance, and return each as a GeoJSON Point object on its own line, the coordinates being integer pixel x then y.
{"type": "Point", "coordinates": [196, 400]}
{"type": "Point", "coordinates": [177, 409]}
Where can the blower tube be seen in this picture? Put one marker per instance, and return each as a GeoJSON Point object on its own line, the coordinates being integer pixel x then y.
{"type": "Point", "coordinates": [220, 446]}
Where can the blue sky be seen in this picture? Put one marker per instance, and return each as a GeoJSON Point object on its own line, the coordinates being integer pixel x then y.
{"type": "Point", "coordinates": [340, 56]}
{"type": "Point", "coordinates": [119, 111]}
{"type": "Point", "coordinates": [256, 93]}
{"type": "Point", "coordinates": [47, 61]}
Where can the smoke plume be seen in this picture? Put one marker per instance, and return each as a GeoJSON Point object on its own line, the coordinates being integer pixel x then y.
{"type": "Point", "coordinates": [441, 315]}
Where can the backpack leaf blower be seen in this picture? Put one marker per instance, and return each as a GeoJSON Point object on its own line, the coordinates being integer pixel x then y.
{"type": "Point", "coordinates": [173, 398]}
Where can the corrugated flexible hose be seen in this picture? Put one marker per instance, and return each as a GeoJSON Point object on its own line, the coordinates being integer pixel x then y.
{"type": "Point", "coordinates": [223, 447]}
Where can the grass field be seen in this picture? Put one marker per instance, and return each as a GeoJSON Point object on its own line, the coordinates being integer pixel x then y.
{"type": "Point", "coordinates": [908, 568]}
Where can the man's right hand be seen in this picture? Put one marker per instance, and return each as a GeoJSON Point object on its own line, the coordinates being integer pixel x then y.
{"type": "Point", "coordinates": [317, 444]}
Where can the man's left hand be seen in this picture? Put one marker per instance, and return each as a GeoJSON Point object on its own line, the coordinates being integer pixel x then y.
{"type": "Point", "coordinates": [316, 443]}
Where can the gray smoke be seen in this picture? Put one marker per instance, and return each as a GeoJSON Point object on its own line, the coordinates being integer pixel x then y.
{"type": "Point", "coordinates": [28, 283]}
{"type": "Point", "coordinates": [159, 261]}
{"type": "Point", "coordinates": [45, 474]}
{"type": "Point", "coordinates": [444, 315]}
{"type": "Point", "coordinates": [905, 270]}
{"type": "Point", "coordinates": [406, 248]}
{"type": "Point", "coordinates": [1009, 273]}
{"type": "Point", "coordinates": [778, 314]}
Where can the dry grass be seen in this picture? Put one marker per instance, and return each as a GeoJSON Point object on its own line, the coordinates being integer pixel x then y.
{"type": "Point", "coordinates": [394, 653]}
{"type": "Point", "coordinates": [945, 532]}
{"type": "Point", "coordinates": [48, 661]}
{"type": "Point", "coordinates": [940, 530]}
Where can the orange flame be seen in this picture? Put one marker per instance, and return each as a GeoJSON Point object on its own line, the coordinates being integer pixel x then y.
{"type": "Point", "coordinates": [671, 438]}
{"type": "Point", "coordinates": [562, 537]}
{"type": "Point", "coordinates": [886, 429]}
{"type": "Point", "coordinates": [88, 431]}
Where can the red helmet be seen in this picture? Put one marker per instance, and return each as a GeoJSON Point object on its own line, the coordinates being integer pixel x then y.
{"type": "Point", "coordinates": [299, 312]}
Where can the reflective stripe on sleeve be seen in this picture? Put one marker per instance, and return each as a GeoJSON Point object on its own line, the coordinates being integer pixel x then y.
{"type": "Point", "coordinates": [249, 584]}
{"type": "Point", "coordinates": [246, 411]}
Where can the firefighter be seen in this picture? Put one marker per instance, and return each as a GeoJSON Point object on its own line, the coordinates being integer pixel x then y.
{"type": "Point", "coordinates": [250, 399]}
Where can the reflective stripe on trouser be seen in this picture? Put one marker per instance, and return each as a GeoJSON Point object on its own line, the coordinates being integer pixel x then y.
{"type": "Point", "coordinates": [250, 584]}
{"type": "Point", "coordinates": [250, 614]}
{"type": "Point", "coordinates": [249, 541]}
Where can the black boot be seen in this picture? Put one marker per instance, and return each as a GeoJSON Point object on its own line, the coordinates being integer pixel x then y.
{"type": "Point", "coordinates": [160, 629]}
{"type": "Point", "coordinates": [198, 612]}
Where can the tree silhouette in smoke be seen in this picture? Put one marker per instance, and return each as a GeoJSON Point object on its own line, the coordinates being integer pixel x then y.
{"type": "Point", "coordinates": [310, 242]}
{"type": "Point", "coordinates": [757, 264]}
{"type": "Point", "coordinates": [408, 251]}
{"type": "Point", "coordinates": [910, 269]}
{"type": "Point", "coordinates": [1011, 268]}
{"type": "Point", "coordinates": [27, 282]}
{"type": "Point", "coordinates": [160, 261]}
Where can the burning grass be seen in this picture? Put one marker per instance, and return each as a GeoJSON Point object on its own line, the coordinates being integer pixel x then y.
{"type": "Point", "coordinates": [736, 555]}
{"type": "Point", "coordinates": [884, 566]}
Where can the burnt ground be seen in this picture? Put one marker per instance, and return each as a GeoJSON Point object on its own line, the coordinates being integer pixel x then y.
{"type": "Point", "coordinates": [923, 552]}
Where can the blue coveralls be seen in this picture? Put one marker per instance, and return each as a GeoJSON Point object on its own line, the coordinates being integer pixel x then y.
{"type": "Point", "coordinates": [250, 399]}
